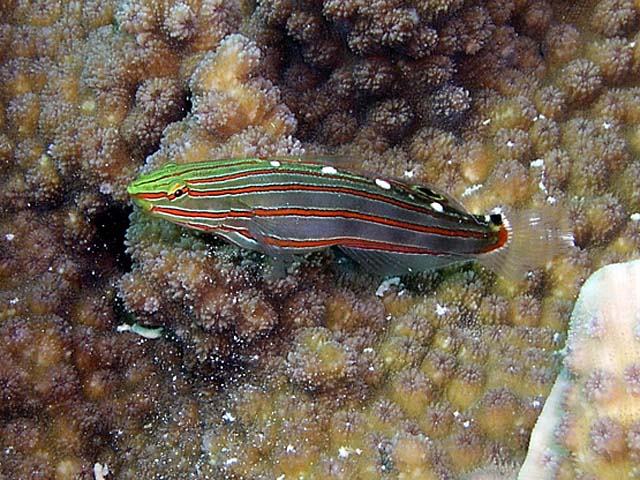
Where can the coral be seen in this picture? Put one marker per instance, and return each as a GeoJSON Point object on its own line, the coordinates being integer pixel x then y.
{"type": "Point", "coordinates": [308, 369]}
{"type": "Point", "coordinates": [99, 113]}
{"type": "Point", "coordinates": [598, 220]}
{"type": "Point", "coordinates": [68, 379]}
{"type": "Point", "coordinates": [442, 383]}
{"type": "Point", "coordinates": [446, 105]}
{"type": "Point", "coordinates": [226, 99]}
{"type": "Point", "coordinates": [79, 113]}
{"type": "Point", "coordinates": [580, 80]}
{"type": "Point", "coordinates": [318, 361]}
{"type": "Point", "coordinates": [391, 118]}
{"type": "Point", "coordinates": [561, 43]}
{"type": "Point", "coordinates": [411, 45]}
{"type": "Point", "coordinates": [614, 58]}
{"type": "Point", "coordinates": [236, 113]}
{"type": "Point", "coordinates": [158, 102]}
{"type": "Point", "coordinates": [588, 426]}
{"type": "Point", "coordinates": [614, 17]}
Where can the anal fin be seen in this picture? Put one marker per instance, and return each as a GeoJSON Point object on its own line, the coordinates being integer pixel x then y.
{"type": "Point", "coordinates": [390, 263]}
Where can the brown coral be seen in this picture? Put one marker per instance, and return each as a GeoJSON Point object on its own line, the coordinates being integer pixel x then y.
{"type": "Point", "coordinates": [310, 374]}
{"type": "Point", "coordinates": [614, 17]}
{"type": "Point", "coordinates": [580, 80]}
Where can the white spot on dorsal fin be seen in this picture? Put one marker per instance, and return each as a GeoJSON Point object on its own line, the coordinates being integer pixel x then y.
{"type": "Point", "coordinates": [383, 184]}
{"type": "Point", "coordinates": [275, 163]}
{"type": "Point", "coordinates": [329, 170]}
{"type": "Point", "coordinates": [437, 206]}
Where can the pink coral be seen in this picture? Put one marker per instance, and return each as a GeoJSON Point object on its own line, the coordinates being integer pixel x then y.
{"type": "Point", "coordinates": [590, 413]}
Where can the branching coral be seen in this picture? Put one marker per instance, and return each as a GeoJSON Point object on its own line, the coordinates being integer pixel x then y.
{"type": "Point", "coordinates": [439, 386]}
{"type": "Point", "coordinates": [82, 102]}
{"type": "Point", "coordinates": [236, 112]}
{"type": "Point", "coordinates": [228, 96]}
{"type": "Point", "coordinates": [102, 107]}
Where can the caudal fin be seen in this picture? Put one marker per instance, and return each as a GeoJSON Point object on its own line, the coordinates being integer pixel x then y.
{"type": "Point", "coordinates": [535, 237]}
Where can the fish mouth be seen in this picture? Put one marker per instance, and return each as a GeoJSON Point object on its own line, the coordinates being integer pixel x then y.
{"type": "Point", "coordinates": [141, 202]}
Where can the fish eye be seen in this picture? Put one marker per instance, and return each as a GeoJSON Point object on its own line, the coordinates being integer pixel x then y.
{"type": "Point", "coordinates": [177, 191]}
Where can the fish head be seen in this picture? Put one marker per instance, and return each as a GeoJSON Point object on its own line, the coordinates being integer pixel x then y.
{"type": "Point", "coordinates": [158, 187]}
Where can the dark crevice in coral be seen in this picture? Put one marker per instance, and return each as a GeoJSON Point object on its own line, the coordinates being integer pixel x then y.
{"type": "Point", "coordinates": [111, 226]}
{"type": "Point", "coordinates": [188, 105]}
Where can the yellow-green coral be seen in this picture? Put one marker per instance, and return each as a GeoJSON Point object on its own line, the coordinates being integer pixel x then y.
{"type": "Point", "coordinates": [437, 396]}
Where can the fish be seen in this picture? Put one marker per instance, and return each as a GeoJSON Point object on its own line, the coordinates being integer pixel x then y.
{"type": "Point", "coordinates": [296, 205]}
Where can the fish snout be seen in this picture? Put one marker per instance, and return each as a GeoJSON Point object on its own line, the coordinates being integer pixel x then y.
{"type": "Point", "coordinates": [139, 201]}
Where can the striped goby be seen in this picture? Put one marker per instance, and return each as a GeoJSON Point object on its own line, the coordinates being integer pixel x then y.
{"type": "Point", "coordinates": [289, 206]}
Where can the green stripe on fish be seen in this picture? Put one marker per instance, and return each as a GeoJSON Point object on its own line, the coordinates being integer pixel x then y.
{"type": "Point", "coordinates": [290, 206]}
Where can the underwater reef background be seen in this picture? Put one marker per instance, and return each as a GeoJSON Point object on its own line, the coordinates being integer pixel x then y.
{"type": "Point", "coordinates": [321, 373]}
{"type": "Point", "coordinates": [593, 412]}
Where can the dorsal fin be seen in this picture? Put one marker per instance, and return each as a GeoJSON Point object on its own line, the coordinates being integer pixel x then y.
{"type": "Point", "coordinates": [432, 194]}
{"type": "Point", "coordinates": [354, 165]}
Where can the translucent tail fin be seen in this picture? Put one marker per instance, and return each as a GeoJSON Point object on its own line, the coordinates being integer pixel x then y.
{"type": "Point", "coordinates": [534, 238]}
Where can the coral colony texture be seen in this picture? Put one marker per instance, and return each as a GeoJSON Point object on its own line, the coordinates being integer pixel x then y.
{"type": "Point", "coordinates": [324, 372]}
{"type": "Point", "coordinates": [593, 411]}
